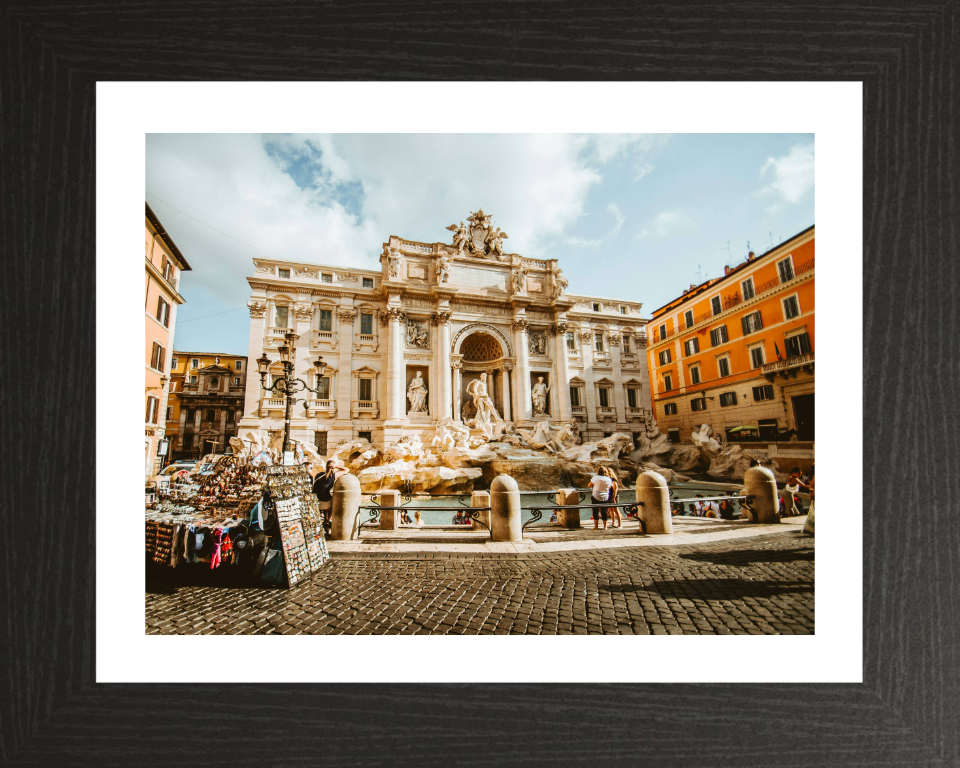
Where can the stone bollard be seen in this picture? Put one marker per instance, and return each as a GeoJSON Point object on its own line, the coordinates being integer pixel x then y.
{"type": "Point", "coordinates": [653, 501]}
{"type": "Point", "coordinates": [808, 526]}
{"type": "Point", "coordinates": [346, 508]}
{"type": "Point", "coordinates": [481, 499]}
{"type": "Point", "coordinates": [389, 518]}
{"type": "Point", "coordinates": [568, 518]}
{"type": "Point", "coordinates": [505, 509]}
{"type": "Point", "coordinates": [760, 483]}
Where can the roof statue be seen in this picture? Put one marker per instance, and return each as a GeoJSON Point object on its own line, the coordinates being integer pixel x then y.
{"type": "Point", "coordinates": [480, 239]}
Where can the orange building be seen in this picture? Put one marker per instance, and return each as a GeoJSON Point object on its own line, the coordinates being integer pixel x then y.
{"type": "Point", "coordinates": [163, 265]}
{"type": "Point", "coordinates": [737, 353]}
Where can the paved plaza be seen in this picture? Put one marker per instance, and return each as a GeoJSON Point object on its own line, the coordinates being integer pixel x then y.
{"type": "Point", "coordinates": [749, 585]}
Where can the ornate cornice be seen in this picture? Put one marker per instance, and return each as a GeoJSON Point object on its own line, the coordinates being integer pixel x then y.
{"type": "Point", "coordinates": [257, 308]}
{"type": "Point", "coordinates": [346, 315]}
{"type": "Point", "coordinates": [558, 329]}
{"type": "Point", "coordinates": [441, 318]}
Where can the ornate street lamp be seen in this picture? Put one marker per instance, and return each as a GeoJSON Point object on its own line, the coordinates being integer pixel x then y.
{"type": "Point", "coordinates": [287, 385]}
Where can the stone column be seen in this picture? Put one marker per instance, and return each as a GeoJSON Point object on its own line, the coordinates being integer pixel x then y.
{"type": "Point", "coordinates": [568, 518]}
{"type": "Point", "coordinates": [456, 366]}
{"type": "Point", "coordinates": [653, 500]}
{"type": "Point", "coordinates": [444, 399]}
{"type": "Point", "coordinates": [396, 380]}
{"type": "Point", "coordinates": [505, 509]}
{"type": "Point", "coordinates": [619, 403]}
{"type": "Point", "coordinates": [505, 391]}
{"type": "Point", "coordinates": [389, 518]}
{"type": "Point", "coordinates": [222, 445]}
{"type": "Point", "coordinates": [344, 393]}
{"type": "Point", "coordinates": [346, 508]}
{"type": "Point", "coordinates": [589, 389]}
{"type": "Point", "coordinates": [562, 385]}
{"type": "Point", "coordinates": [255, 347]}
{"type": "Point", "coordinates": [762, 486]}
{"type": "Point", "coordinates": [481, 499]}
{"type": "Point", "coordinates": [524, 400]}
{"type": "Point", "coordinates": [183, 422]}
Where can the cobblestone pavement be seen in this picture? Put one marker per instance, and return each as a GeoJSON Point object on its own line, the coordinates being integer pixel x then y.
{"type": "Point", "coordinates": [762, 585]}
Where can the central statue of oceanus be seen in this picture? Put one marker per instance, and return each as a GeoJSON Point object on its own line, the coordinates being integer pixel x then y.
{"type": "Point", "coordinates": [487, 414]}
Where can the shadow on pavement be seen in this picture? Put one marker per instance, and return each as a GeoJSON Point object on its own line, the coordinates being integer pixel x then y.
{"type": "Point", "coordinates": [747, 556]}
{"type": "Point", "coordinates": [714, 589]}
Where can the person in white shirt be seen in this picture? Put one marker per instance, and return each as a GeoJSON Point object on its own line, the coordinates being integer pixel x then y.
{"type": "Point", "coordinates": [600, 486]}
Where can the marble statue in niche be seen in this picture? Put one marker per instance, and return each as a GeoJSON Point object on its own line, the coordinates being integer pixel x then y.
{"type": "Point", "coordinates": [539, 396]}
{"type": "Point", "coordinates": [417, 395]}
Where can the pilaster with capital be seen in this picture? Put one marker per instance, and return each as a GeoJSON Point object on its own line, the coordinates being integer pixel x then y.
{"type": "Point", "coordinates": [442, 321]}
{"type": "Point", "coordinates": [457, 368]}
{"type": "Point", "coordinates": [524, 403]}
{"type": "Point", "coordinates": [345, 318]}
{"type": "Point", "coordinates": [562, 385]}
{"type": "Point", "coordinates": [396, 380]}
{"type": "Point", "coordinates": [613, 337]}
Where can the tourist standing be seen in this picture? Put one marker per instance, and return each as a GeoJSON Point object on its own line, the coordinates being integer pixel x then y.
{"type": "Point", "coordinates": [616, 518]}
{"type": "Point", "coordinates": [600, 485]}
{"type": "Point", "coordinates": [323, 487]}
{"type": "Point", "coordinates": [416, 517]}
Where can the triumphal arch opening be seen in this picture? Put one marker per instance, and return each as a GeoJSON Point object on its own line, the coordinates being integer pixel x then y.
{"type": "Point", "coordinates": [461, 332]}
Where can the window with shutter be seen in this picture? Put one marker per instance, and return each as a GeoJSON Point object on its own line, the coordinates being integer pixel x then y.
{"type": "Point", "coordinates": [715, 305]}
{"type": "Point", "coordinates": [366, 387]}
{"type": "Point", "coordinates": [695, 374]}
{"type": "Point", "coordinates": [632, 398]}
{"type": "Point", "coordinates": [785, 270]}
{"type": "Point", "coordinates": [692, 346]}
{"type": "Point", "coordinates": [688, 318]}
{"type": "Point", "coordinates": [728, 398]}
{"type": "Point", "coordinates": [724, 364]}
{"type": "Point", "coordinates": [161, 358]}
{"type": "Point", "coordinates": [667, 382]}
{"type": "Point", "coordinates": [756, 357]}
{"type": "Point", "coordinates": [747, 287]}
{"type": "Point", "coordinates": [663, 332]}
{"type": "Point", "coordinates": [670, 409]}
{"type": "Point", "coordinates": [791, 307]}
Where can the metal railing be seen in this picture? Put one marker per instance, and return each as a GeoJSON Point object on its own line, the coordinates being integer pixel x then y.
{"type": "Point", "coordinates": [375, 510]}
{"type": "Point", "coordinates": [632, 507]}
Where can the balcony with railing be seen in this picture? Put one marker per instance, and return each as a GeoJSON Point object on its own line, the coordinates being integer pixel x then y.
{"type": "Point", "coordinates": [634, 413]}
{"type": "Point", "coordinates": [319, 336]}
{"type": "Point", "coordinates": [322, 405]}
{"type": "Point", "coordinates": [279, 332]}
{"type": "Point", "coordinates": [606, 413]}
{"type": "Point", "coordinates": [365, 408]}
{"type": "Point", "coordinates": [578, 410]}
{"type": "Point", "coordinates": [784, 367]}
{"type": "Point", "coordinates": [735, 299]}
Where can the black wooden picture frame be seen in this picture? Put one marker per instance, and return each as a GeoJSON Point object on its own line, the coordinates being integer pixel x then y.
{"type": "Point", "coordinates": [907, 710]}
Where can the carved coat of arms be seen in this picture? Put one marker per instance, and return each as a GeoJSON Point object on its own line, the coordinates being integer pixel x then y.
{"type": "Point", "coordinates": [480, 238]}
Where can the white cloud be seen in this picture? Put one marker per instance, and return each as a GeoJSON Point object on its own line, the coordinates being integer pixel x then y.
{"type": "Point", "coordinates": [642, 171]}
{"type": "Point", "coordinates": [665, 222]}
{"type": "Point", "coordinates": [618, 217]}
{"type": "Point", "coordinates": [354, 191]}
{"type": "Point", "coordinates": [582, 242]}
{"type": "Point", "coordinates": [792, 174]}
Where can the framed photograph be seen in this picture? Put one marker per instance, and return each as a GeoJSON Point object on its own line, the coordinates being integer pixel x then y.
{"type": "Point", "coordinates": [454, 331]}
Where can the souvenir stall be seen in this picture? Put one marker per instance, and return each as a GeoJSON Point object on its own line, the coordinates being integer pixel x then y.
{"type": "Point", "coordinates": [240, 516]}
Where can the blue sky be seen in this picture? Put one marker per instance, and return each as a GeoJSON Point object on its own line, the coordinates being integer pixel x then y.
{"type": "Point", "coordinates": [637, 217]}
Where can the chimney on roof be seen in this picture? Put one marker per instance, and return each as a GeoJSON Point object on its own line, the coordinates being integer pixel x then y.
{"type": "Point", "coordinates": [750, 256]}
{"type": "Point", "coordinates": [692, 286]}
{"type": "Point", "coordinates": [726, 270]}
